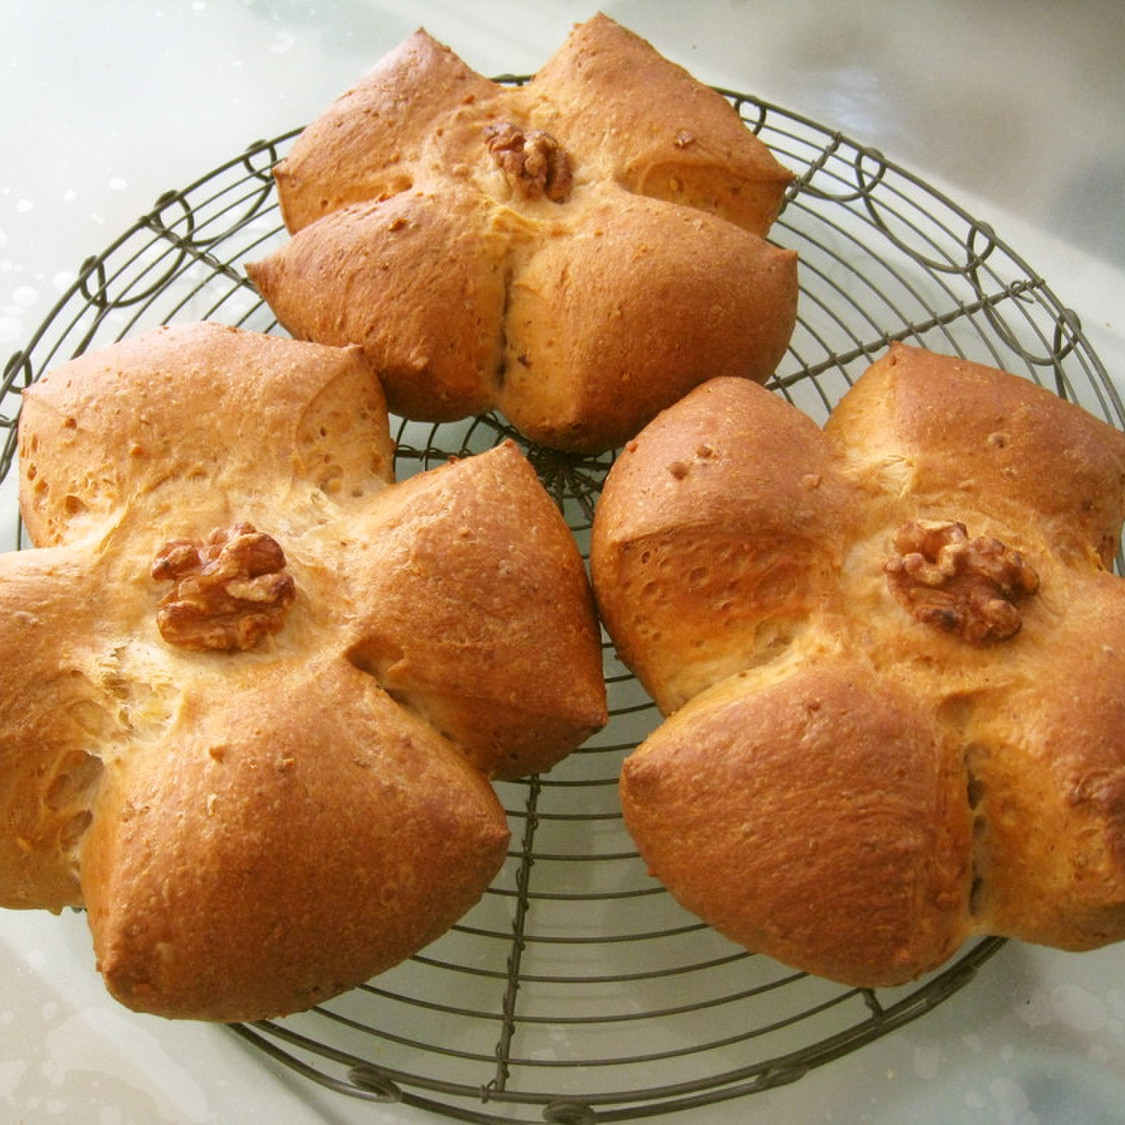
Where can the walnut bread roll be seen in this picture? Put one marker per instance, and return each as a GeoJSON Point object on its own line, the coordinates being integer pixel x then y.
{"type": "Point", "coordinates": [890, 655]}
{"type": "Point", "coordinates": [245, 671]}
{"type": "Point", "coordinates": [576, 252]}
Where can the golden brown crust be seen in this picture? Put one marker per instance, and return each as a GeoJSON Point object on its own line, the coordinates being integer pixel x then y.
{"type": "Point", "coordinates": [238, 864]}
{"type": "Point", "coordinates": [575, 270]}
{"type": "Point", "coordinates": [469, 624]}
{"type": "Point", "coordinates": [1001, 445]}
{"type": "Point", "coordinates": [420, 287]}
{"type": "Point", "coordinates": [641, 303]}
{"type": "Point", "coordinates": [254, 827]}
{"type": "Point", "coordinates": [88, 451]}
{"type": "Point", "coordinates": [674, 138]}
{"type": "Point", "coordinates": [716, 538]}
{"type": "Point", "coordinates": [365, 145]}
{"type": "Point", "coordinates": [671, 137]}
{"type": "Point", "coordinates": [1022, 701]}
{"type": "Point", "coordinates": [50, 713]}
{"type": "Point", "coordinates": [1048, 765]}
{"type": "Point", "coordinates": [817, 817]}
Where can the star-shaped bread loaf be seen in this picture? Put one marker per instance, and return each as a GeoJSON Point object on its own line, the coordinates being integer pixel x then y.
{"type": "Point", "coordinates": [892, 656]}
{"type": "Point", "coordinates": [576, 252]}
{"type": "Point", "coordinates": [253, 690]}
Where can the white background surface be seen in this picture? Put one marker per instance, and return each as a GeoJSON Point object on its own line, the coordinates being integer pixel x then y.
{"type": "Point", "coordinates": [1015, 109]}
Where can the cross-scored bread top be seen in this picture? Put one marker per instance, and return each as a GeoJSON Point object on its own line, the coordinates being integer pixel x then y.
{"type": "Point", "coordinates": [891, 655]}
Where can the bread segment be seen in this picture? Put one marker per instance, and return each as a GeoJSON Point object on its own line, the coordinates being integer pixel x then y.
{"type": "Point", "coordinates": [238, 863]}
{"type": "Point", "coordinates": [819, 816]}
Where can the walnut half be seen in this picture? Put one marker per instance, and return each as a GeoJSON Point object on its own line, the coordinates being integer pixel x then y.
{"type": "Point", "coordinates": [229, 591]}
{"type": "Point", "coordinates": [534, 162]}
{"type": "Point", "coordinates": [970, 587]}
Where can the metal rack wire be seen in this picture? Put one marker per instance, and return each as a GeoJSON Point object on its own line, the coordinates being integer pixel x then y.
{"type": "Point", "coordinates": [578, 991]}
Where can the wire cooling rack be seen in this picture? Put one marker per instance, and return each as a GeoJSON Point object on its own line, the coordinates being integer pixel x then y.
{"type": "Point", "coordinates": [578, 991]}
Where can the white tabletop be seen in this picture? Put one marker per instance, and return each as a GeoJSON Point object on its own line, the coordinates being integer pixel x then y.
{"type": "Point", "coordinates": [1015, 108]}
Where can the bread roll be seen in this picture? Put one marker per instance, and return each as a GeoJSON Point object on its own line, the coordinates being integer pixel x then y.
{"type": "Point", "coordinates": [253, 689]}
{"type": "Point", "coordinates": [889, 653]}
{"type": "Point", "coordinates": [576, 252]}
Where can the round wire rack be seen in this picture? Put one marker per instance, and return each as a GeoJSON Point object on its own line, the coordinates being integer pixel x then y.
{"type": "Point", "coordinates": [578, 991]}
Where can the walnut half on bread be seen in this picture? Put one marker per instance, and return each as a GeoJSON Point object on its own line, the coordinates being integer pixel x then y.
{"type": "Point", "coordinates": [576, 252]}
{"type": "Point", "coordinates": [892, 656]}
{"type": "Point", "coordinates": [252, 689]}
